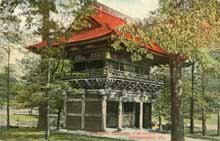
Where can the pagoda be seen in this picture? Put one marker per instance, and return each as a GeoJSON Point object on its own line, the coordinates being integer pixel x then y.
{"type": "Point", "coordinates": [115, 91]}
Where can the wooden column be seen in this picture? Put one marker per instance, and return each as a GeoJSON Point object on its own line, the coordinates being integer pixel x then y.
{"type": "Point", "coordinates": [83, 112]}
{"type": "Point", "coordinates": [134, 113]}
{"type": "Point", "coordinates": [120, 114]}
{"type": "Point", "coordinates": [141, 113]}
{"type": "Point", "coordinates": [104, 107]}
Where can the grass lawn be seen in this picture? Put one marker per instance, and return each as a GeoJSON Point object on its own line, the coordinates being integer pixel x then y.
{"type": "Point", "coordinates": [211, 120]}
{"type": "Point", "coordinates": [211, 123]}
{"type": "Point", "coordinates": [24, 118]}
{"type": "Point", "coordinates": [19, 120]}
{"type": "Point", "coordinates": [31, 134]}
{"type": "Point", "coordinates": [211, 135]}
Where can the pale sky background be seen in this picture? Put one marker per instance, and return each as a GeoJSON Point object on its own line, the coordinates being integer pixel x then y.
{"type": "Point", "coordinates": [132, 8]}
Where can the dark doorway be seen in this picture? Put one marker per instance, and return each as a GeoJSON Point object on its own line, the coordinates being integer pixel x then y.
{"type": "Point", "coordinates": [129, 114]}
{"type": "Point", "coordinates": [112, 114]}
{"type": "Point", "coordinates": [137, 114]}
{"type": "Point", "coordinates": [147, 115]}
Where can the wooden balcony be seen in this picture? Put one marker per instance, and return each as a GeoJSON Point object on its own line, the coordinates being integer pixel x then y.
{"type": "Point", "coordinates": [115, 74]}
{"type": "Point", "coordinates": [116, 80]}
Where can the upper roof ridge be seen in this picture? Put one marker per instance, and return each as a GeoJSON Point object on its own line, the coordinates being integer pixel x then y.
{"type": "Point", "coordinates": [111, 11]}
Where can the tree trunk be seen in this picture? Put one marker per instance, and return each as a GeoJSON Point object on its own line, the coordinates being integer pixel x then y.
{"type": "Point", "coordinates": [42, 118]}
{"type": "Point", "coordinates": [177, 131]}
{"type": "Point", "coordinates": [45, 32]}
{"type": "Point", "coordinates": [47, 133]}
{"type": "Point", "coordinates": [45, 12]}
{"type": "Point", "coordinates": [203, 122]}
{"type": "Point", "coordinates": [160, 121]}
{"type": "Point", "coordinates": [192, 103]}
{"type": "Point", "coordinates": [8, 89]}
{"type": "Point", "coordinates": [218, 130]}
{"type": "Point", "coordinates": [203, 108]}
{"type": "Point", "coordinates": [58, 118]}
{"type": "Point", "coordinates": [192, 115]}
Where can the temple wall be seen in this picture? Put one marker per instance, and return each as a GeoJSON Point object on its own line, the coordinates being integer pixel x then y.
{"type": "Point", "coordinates": [84, 112]}
{"type": "Point", "coordinates": [74, 112]}
{"type": "Point", "coordinates": [91, 111]}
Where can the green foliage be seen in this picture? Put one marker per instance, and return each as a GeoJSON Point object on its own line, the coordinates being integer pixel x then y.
{"type": "Point", "coordinates": [189, 29]}
{"type": "Point", "coordinates": [3, 85]}
{"type": "Point", "coordinates": [186, 31]}
{"type": "Point", "coordinates": [10, 24]}
{"type": "Point", "coordinates": [41, 16]}
{"type": "Point", "coordinates": [211, 97]}
{"type": "Point", "coordinates": [162, 103]}
{"type": "Point", "coordinates": [129, 40]}
{"type": "Point", "coordinates": [41, 83]}
{"type": "Point", "coordinates": [35, 90]}
{"type": "Point", "coordinates": [210, 101]}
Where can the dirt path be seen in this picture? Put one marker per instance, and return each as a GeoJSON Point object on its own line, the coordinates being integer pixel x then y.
{"type": "Point", "coordinates": [129, 134]}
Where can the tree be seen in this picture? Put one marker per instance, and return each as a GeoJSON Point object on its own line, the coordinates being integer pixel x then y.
{"type": "Point", "coordinates": [185, 31]}
{"type": "Point", "coordinates": [217, 103]}
{"type": "Point", "coordinates": [8, 87]}
{"type": "Point", "coordinates": [212, 96]}
{"type": "Point", "coordinates": [34, 91]}
{"type": "Point", "coordinates": [37, 15]}
{"type": "Point", "coordinates": [162, 103]}
{"type": "Point", "coordinates": [192, 101]}
{"type": "Point", "coordinates": [9, 35]}
{"type": "Point", "coordinates": [7, 84]}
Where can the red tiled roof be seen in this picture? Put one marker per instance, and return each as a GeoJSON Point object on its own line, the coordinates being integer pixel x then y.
{"type": "Point", "coordinates": [90, 34]}
{"type": "Point", "coordinates": [105, 18]}
{"type": "Point", "coordinates": [107, 24]}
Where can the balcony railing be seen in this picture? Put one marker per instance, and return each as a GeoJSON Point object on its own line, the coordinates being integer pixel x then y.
{"type": "Point", "coordinates": [94, 73]}
{"type": "Point", "coordinates": [117, 74]}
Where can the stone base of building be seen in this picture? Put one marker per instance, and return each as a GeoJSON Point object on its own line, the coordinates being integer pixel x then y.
{"type": "Point", "coordinates": [94, 110]}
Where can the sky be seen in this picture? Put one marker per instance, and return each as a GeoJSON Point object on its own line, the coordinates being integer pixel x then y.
{"type": "Point", "coordinates": [132, 8]}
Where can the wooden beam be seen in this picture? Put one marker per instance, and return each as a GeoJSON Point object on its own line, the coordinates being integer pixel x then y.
{"type": "Point", "coordinates": [74, 115]}
{"type": "Point", "coordinates": [93, 115]}
{"type": "Point", "coordinates": [93, 99]}
{"type": "Point", "coordinates": [73, 100]}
